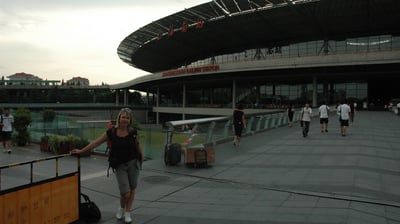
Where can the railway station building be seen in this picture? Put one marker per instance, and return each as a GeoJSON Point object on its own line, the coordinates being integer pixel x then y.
{"type": "Point", "coordinates": [266, 54]}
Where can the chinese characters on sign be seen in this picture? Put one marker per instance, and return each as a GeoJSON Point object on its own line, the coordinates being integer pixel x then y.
{"type": "Point", "coordinates": [191, 70]}
{"type": "Point", "coordinates": [274, 50]}
{"type": "Point", "coordinates": [184, 28]}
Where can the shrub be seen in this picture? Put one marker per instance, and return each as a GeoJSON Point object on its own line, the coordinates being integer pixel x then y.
{"type": "Point", "coordinates": [22, 119]}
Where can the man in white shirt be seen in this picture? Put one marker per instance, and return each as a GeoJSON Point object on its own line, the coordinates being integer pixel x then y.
{"type": "Point", "coordinates": [306, 114]}
{"type": "Point", "coordinates": [323, 117]}
{"type": "Point", "coordinates": [344, 112]}
{"type": "Point", "coordinates": [7, 122]}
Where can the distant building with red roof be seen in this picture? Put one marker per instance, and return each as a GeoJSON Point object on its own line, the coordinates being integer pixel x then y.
{"type": "Point", "coordinates": [78, 81]}
{"type": "Point", "coordinates": [23, 76]}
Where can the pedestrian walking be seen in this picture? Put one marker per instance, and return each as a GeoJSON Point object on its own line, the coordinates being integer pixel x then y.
{"type": "Point", "coordinates": [323, 111]}
{"type": "Point", "coordinates": [239, 122]}
{"type": "Point", "coordinates": [7, 127]}
{"type": "Point", "coordinates": [344, 112]}
{"type": "Point", "coordinates": [290, 113]}
{"type": "Point", "coordinates": [129, 156]}
{"type": "Point", "coordinates": [306, 114]}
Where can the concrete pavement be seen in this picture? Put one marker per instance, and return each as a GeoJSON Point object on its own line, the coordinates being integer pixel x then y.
{"type": "Point", "coordinates": [277, 176]}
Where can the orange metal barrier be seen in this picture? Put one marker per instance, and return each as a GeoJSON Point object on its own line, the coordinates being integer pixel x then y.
{"type": "Point", "coordinates": [54, 200]}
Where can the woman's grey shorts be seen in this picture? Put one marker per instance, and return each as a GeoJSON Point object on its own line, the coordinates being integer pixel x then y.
{"type": "Point", "coordinates": [127, 175]}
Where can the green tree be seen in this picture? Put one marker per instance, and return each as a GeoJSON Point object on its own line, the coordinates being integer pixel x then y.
{"type": "Point", "coordinates": [136, 98]}
{"type": "Point", "coordinates": [22, 119]}
{"type": "Point", "coordinates": [48, 116]}
{"type": "Point", "coordinates": [136, 124]}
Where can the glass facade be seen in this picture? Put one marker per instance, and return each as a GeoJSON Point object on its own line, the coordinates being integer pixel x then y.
{"type": "Point", "coordinates": [171, 97]}
{"type": "Point", "coordinates": [267, 93]}
{"type": "Point", "coordinates": [208, 96]}
{"type": "Point", "coordinates": [264, 96]}
{"type": "Point", "coordinates": [310, 48]}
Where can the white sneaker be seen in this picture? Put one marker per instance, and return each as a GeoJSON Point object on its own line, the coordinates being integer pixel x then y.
{"type": "Point", "coordinates": [128, 218]}
{"type": "Point", "coordinates": [119, 214]}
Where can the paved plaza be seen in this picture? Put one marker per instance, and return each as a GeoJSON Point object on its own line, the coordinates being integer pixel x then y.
{"type": "Point", "coordinates": [277, 176]}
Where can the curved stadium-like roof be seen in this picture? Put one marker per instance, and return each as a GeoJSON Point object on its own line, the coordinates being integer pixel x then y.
{"type": "Point", "coordinates": [229, 26]}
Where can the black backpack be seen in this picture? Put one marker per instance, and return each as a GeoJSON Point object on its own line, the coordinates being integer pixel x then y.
{"type": "Point", "coordinates": [88, 210]}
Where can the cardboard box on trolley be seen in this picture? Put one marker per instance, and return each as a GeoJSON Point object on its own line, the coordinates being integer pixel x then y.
{"type": "Point", "coordinates": [199, 155]}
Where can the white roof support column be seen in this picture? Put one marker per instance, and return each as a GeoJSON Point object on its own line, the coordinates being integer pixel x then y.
{"type": "Point", "coordinates": [183, 101]}
{"type": "Point", "coordinates": [126, 100]}
{"type": "Point", "coordinates": [314, 93]}
{"type": "Point", "coordinates": [117, 97]}
{"type": "Point", "coordinates": [157, 105]}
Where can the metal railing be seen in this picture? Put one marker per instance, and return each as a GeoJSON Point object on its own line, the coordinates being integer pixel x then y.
{"type": "Point", "coordinates": [153, 138]}
{"type": "Point", "coordinates": [43, 198]}
{"type": "Point", "coordinates": [216, 130]}
{"type": "Point", "coordinates": [41, 177]}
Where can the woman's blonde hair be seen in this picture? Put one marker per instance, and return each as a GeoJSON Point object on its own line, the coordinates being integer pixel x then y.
{"type": "Point", "coordinates": [126, 111]}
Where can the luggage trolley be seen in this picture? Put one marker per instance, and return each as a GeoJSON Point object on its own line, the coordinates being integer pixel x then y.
{"type": "Point", "coordinates": [172, 151]}
{"type": "Point", "coordinates": [198, 155]}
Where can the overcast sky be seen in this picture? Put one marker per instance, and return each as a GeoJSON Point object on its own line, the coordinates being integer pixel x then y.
{"type": "Point", "coordinates": [61, 39]}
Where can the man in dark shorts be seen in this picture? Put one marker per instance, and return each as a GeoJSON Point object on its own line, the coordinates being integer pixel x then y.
{"type": "Point", "coordinates": [7, 122]}
{"type": "Point", "coordinates": [323, 111]}
{"type": "Point", "coordinates": [344, 113]}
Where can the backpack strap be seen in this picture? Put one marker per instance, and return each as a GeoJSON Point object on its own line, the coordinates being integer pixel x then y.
{"type": "Point", "coordinates": [108, 170]}
{"type": "Point", "coordinates": [110, 133]}
{"type": "Point", "coordinates": [110, 136]}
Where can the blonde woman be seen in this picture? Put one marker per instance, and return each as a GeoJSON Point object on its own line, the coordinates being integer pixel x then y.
{"type": "Point", "coordinates": [128, 153]}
